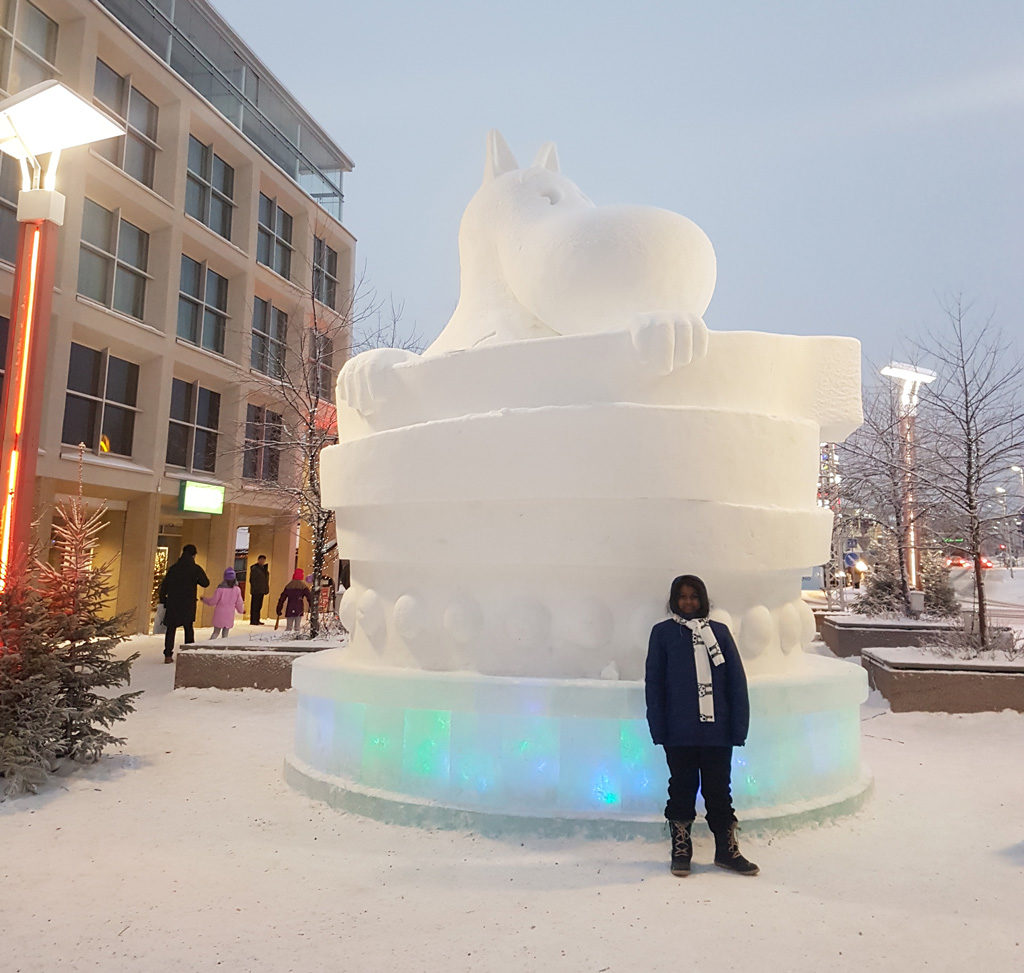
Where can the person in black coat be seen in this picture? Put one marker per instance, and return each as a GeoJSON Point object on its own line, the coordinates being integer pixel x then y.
{"type": "Point", "coordinates": [178, 596]}
{"type": "Point", "coordinates": [698, 710]}
{"type": "Point", "coordinates": [259, 588]}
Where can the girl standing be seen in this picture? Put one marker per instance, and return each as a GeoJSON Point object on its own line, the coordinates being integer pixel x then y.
{"type": "Point", "coordinates": [226, 600]}
{"type": "Point", "coordinates": [698, 709]}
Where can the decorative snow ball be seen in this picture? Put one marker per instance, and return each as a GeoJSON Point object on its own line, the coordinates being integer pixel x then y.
{"type": "Point", "coordinates": [516, 500]}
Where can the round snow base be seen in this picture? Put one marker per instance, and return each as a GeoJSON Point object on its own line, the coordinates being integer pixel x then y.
{"type": "Point", "coordinates": [501, 754]}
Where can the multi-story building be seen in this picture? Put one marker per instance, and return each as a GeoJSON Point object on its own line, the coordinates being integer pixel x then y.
{"type": "Point", "coordinates": [191, 252]}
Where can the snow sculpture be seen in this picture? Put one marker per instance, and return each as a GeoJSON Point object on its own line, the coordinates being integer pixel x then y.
{"type": "Point", "coordinates": [516, 500]}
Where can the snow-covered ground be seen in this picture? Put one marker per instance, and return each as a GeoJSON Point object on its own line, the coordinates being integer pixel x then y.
{"type": "Point", "coordinates": [186, 851]}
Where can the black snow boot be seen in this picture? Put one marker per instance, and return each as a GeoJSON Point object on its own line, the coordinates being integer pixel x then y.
{"type": "Point", "coordinates": [727, 853]}
{"type": "Point", "coordinates": [682, 847]}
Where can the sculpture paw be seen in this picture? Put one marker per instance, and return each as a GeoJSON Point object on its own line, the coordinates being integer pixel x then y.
{"type": "Point", "coordinates": [368, 380]}
{"type": "Point", "coordinates": [665, 341]}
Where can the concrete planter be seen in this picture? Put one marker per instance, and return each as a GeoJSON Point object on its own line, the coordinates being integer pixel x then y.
{"type": "Point", "coordinates": [212, 666]}
{"type": "Point", "coordinates": [848, 635]}
{"type": "Point", "coordinates": [944, 686]}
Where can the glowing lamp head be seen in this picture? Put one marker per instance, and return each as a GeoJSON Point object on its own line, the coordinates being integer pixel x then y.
{"type": "Point", "coordinates": [908, 373]}
{"type": "Point", "coordinates": [50, 117]}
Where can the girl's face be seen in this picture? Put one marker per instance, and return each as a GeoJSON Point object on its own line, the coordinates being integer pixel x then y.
{"type": "Point", "coordinates": [688, 601]}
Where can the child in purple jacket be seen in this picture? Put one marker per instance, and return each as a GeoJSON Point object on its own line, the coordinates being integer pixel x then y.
{"type": "Point", "coordinates": [291, 600]}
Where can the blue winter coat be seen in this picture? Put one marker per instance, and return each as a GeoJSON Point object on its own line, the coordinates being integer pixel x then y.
{"type": "Point", "coordinates": [673, 713]}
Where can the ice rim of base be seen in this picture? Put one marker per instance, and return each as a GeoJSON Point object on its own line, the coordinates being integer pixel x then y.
{"type": "Point", "coordinates": [408, 811]}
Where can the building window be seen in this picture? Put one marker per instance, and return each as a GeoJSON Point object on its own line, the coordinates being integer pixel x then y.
{"type": "Point", "coordinates": [112, 261]}
{"type": "Point", "coordinates": [202, 306]}
{"type": "Point", "coordinates": [325, 273]}
{"type": "Point", "coordinates": [192, 431]}
{"type": "Point", "coordinates": [274, 243]}
{"type": "Point", "coordinates": [209, 188]}
{"type": "Point", "coordinates": [261, 459]}
{"type": "Point", "coordinates": [28, 45]}
{"type": "Point", "coordinates": [269, 338]}
{"type": "Point", "coordinates": [10, 185]}
{"type": "Point", "coordinates": [5, 326]}
{"type": "Point", "coordinates": [322, 365]}
{"type": "Point", "coordinates": [135, 152]}
{"type": "Point", "coordinates": [99, 409]}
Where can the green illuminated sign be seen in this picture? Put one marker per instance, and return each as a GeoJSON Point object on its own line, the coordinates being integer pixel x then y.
{"type": "Point", "coordinates": [201, 498]}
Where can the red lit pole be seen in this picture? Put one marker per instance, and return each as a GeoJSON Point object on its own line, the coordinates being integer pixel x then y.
{"type": "Point", "coordinates": [40, 213]}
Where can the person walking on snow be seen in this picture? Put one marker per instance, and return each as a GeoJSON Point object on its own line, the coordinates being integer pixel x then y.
{"type": "Point", "coordinates": [291, 600]}
{"type": "Point", "coordinates": [698, 710]}
{"type": "Point", "coordinates": [259, 588]}
{"type": "Point", "coordinates": [178, 596]}
{"type": "Point", "coordinates": [225, 601]}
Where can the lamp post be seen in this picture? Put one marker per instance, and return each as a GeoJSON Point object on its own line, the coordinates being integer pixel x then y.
{"type": "Point", "coordinates": [41, 121]}
{"type": "Point", "coordinates": [1008, 545]}
{"type": "Point", "coordinates": [911, 379]}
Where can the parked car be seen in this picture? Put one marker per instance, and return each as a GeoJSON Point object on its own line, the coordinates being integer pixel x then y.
{"type": "Point", "coordinates": [959, 561]}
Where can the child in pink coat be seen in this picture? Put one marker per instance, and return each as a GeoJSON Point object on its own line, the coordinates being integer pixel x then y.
{"type": "Point", "coordinates": [225, 601]}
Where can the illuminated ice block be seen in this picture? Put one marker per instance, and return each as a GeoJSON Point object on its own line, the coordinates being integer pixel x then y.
{"type": "Point", "coordinates": [568, 749]}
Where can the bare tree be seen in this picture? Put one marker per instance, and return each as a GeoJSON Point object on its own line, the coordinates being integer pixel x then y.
{"type": "Point", "coordinates": [295, 382]}
{"type": "Point", "coordinates": [972, 425]}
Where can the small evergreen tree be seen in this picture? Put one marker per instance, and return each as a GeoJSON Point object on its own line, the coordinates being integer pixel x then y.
{"type": "Point", "coordinates": [31, 722]}
{"type": "Point", "coordinates": [76, 592]}
{"type": "Point", "coordinates": [939, 596]}
{"type": "Point", "coordinates": [883, 589]}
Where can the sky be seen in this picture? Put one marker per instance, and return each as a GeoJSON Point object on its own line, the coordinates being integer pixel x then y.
{"type": "Point", "coordinates": [854, 164]}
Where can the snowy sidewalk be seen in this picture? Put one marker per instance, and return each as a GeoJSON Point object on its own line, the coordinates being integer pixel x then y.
{"type": "Point", "coordinates": [188, 852]}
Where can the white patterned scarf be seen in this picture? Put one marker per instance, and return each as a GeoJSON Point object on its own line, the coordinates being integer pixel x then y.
{"type": "Point", "coordinates": [706, 653]}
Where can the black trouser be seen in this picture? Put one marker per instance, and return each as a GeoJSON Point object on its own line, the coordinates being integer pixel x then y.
{"type": "Point", "coordinates": [256, 608]}
{"type": "Point", "coordinates": [710, 769]}
{"type": "Point", "coordinates": [190, 636]}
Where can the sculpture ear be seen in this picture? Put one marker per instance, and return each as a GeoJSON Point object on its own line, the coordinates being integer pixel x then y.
{"type": "Point", "coordinates": [547, 157]}
{"type": "Point", "coordinates": [499, 157]}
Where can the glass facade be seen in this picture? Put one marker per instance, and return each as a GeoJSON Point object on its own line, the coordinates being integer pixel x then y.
{"type": "Point", "coordinates": [181, 33]}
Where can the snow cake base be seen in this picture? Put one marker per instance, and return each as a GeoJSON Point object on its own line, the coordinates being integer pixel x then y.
{"type": "Point", "coordinates": [502, 754]}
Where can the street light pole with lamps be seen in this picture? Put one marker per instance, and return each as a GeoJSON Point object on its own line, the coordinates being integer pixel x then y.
{"type": "Point", "coordinates": [911, 379]}
{"type": "Point", "coordinates": [41, 121]}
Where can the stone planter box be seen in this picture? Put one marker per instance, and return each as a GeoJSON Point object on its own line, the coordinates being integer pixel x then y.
{"type": "Point", "coordinates": [914, 682]}
{"type": "Point", "coordinates": [206, 666]}
{"type": "Point", "coordinates": [847, 635]}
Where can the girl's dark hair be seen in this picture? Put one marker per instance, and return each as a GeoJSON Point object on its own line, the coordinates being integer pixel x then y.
{"type": "Point", "coordinates": [689, 581]}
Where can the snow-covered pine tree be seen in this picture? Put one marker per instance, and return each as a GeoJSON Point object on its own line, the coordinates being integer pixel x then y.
{"type": "Point", "coordinates": [31, 722]}
{"type": "Point", "coordinates": [883, 588]}
{"type": "Point", "coordinates": [77, 591]}
{"type": "Point", "coordinates": [939, 596]}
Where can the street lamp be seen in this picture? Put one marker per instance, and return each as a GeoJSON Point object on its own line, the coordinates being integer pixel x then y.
{"type": "Point", "coordinates": [1007, 547]}
{"type": "Point", "coordinates": [1019, 470]}
{"type": "Point", "coordinates": [41, 121]}
{"type": "Point", "coordinates": [911, 379]}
